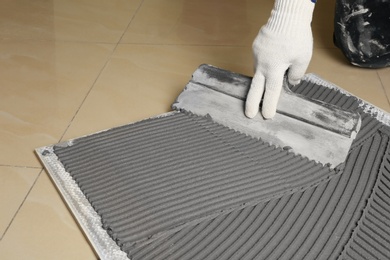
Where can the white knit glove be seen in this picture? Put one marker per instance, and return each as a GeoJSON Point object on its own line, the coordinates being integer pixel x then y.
{"type": "Point", "coordinates": [284, 43]}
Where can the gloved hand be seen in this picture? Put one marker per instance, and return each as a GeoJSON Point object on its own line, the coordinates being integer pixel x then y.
{"type": "Point", "coordinates": [284, 43]}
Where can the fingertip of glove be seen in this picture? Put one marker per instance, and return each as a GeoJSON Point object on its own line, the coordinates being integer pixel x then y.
{"type": "Point", "coordinates": [294, 81]}
{"type": "Point", "coordinates": [250, 112]}
{"type": "Point", "coordinates": [268, 113]}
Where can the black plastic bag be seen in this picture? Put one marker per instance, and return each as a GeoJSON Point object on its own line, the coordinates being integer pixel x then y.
{"type": "Point", "coordinates": [362, 31]}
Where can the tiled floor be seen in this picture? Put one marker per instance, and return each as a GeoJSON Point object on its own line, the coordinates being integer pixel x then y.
{"type": "Point", "coordinates": [70, 68]}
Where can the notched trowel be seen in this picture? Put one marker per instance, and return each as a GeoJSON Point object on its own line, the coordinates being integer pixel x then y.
{"type": "Point", "coordinates": [314, 129]}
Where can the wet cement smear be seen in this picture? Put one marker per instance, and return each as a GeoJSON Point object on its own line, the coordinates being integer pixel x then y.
{"type": "Point", "coordinates": [184, 187]}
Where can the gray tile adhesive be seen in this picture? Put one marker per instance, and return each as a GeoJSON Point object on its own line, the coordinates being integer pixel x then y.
{"type": "Point", "coordinates": [180, 186]}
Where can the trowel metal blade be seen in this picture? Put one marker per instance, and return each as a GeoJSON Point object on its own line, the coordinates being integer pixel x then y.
{"type": "Point", "coordinates": [317, 130]}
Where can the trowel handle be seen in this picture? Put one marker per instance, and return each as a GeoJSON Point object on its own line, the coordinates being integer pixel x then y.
{"type": "Point", "coordinates": [297, 106]}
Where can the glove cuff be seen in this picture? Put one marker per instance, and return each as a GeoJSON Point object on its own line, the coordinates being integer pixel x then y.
{"type": "Point", "coordinates": [290, 17]}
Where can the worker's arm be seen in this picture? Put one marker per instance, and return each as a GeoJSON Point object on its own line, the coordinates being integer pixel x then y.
{"type": "Point", "coordinates": [285, 43]}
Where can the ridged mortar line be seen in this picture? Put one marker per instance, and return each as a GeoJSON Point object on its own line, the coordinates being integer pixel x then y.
{"type": "Point", "coordinates": [344, 101]}
{"type": "Point", "coordinates": [357, 203]}
{"type": "Point", "coordinates": [293, 221]}
{"type": "Point", "coordinates": [194, 189]}
{"type": "Point", "coordinates": [245, 232]}
{"type": "Point", "coordinates": [260, 219]}
{"type": "Point", "coordinates": [191, 211]}
{"type": "Point", "coordinates": [169, 198]}
{"type": "Point", "coordinates": [281, 229]}
{"type": "Point", "coordinates": [199, 155]}
{"type": "Point", "coordinates": [209, 241]}
{"type": "Point", "coordinates": [247, 216]}
{"type": "Point", "coordinates": [139, 170]}
{"type": "Point", "coordinates": [82, 144]}
{"type": "Point", "coordinates": [179, 183]}
{"type": "Point", "coordinates": [139, 181]}
{"type": "Point", "coordinates": [375, 225]}
{"type": "Point", "coordinates": [309, 208]}
{"type": "Point", "coordinates": [364, 193]}
{"type": "Point", "coordinates": [359, 234]}
{"type": "Point", "coordinates": [152, 144]}
{"type": "Point", "coordinates": [373, 245]}
{"type": "Point", "coordinates": [322, 197]}
{"type": "Point", "coordinates": [269, 207]}
{"type": "Point", "coordinates": [199, 237]}
{"type": "Point", "coordinates": [98, 187]}
{"type": "Point", "coordinates": [335, 190]}
{"type": "Point", "coordinates": [269, 222]}
{"type": "Point", "coordinates": [369, 127]}
{"type": "Point", "coordinates": [87, 141]}
{"type": "Point", "coordinates": [194, 231]}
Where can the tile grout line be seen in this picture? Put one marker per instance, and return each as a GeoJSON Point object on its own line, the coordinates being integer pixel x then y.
{"type": "Point", "coordinates": [66, 129]}
{"type": "Point", "coordinates": [86, 95]}
{"type": "Point", "coordinates": [144, 43]}
{"type": "Point", "coordinates": [27, 41]}
{"type": "Point", "coordinates": [21, 166]}
{"type": "Point", "coordinates": [21, 205]}
{"type": "Point", "coordinates": [128, 25]}
{"type": "Point", "coordinates": [100, 72]}
{"type": "Point", "coordinates": [186, 45]}
{"type": "Point", "coordinates": [383, 87]}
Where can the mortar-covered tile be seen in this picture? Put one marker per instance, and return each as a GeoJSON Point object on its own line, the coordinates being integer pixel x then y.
{"type": "Point", "coordinates": [143, 81]}
{"type": "Point", "coordinates": [45, 228]}
{"type": "Point", "coordinates": [15, 184]}
{"type": "Point", "coordinates": [43, 85]}
{"type": "Point", "coordinates": [75, 20]}
{"type": "Point", "coordinates": [371, 237]}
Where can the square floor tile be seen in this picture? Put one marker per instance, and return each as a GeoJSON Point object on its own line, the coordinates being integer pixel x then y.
{"type": "Point", "coordinates": [75, 20]}
{"type": "Point", "coordinates": [15, 183]}
{"type": "Point", "coordinates": [45, 228]}
{"type": "Point", "coordinates": [42, 87]}
{"type": "Point", "coordinates": [200, 22]}
{"type": "Point", "coordinates": [142, 81]}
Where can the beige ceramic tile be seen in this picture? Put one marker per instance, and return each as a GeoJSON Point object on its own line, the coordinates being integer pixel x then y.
{"type": "Point", "coordinates": [143, 81]}
{"type": "Point", "coordinates": [15, 183]}
{"type": "Point", "coordinates": [331, 65]}
{"type": "Point", "coordinates": [42, 86]}
{"type": "Point", "coordinates": [44, 228]}
{"type": "Point", "coordinates": [201, 22]}
{"type": "Point", "coordinates": [217, 23]}
{"type": "Point", "coordinates": [75, 20]}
